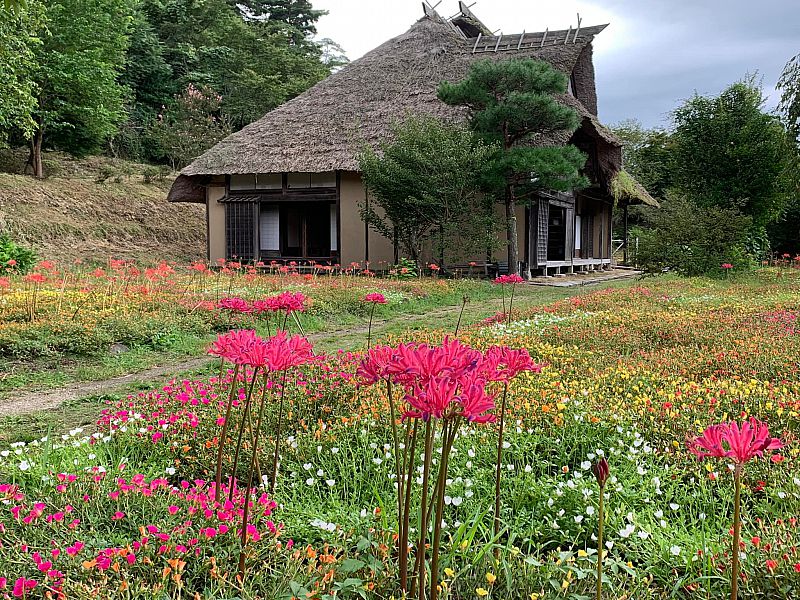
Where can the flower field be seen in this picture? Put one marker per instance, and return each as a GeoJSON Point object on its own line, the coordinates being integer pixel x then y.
{"type": "Point", "coordinates": [57, 315]}
{"type": "Point", "coordinates": [388, 460]}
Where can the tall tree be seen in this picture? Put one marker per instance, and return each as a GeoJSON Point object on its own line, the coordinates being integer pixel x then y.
{"type": "Point", "coordinates": [298, 14]}
{"type": "Point", "coordinates": [730, 153]}
{"type": "Point", "coordinates": [19, 37]}
{"type": "Point", "coordinates": [789, 85]}
{"type": "Point", "coordinates": [79, 98]}
{"type": "Point", "coordinates": [647, 155]}
{"type": "Point", "coordinates": [512, 103]}
{"type": "Point", "coordinates": [423, 184]}
{"type": "Point", "coordinates": [190, 125]}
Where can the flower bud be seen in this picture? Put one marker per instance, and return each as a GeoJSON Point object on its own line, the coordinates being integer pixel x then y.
{"type": "Point", "coordinates": [601, 471]}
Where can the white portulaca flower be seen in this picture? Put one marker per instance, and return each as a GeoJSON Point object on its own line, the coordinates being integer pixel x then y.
{"type": "Point", "coordinates": [643, 534]}
{"type": "Point", "coordinates": [586, 465]}
{"type": "Point", "coordinates": [330, 482]}
{"type": "Point", "coordinates": [308, 466]}
{"type": "Point", "coordinates": [675, 550]}
{"type": "Point", "coordinates": [310, 481]}
{"type": "Point", "coordinates": [626, 531]}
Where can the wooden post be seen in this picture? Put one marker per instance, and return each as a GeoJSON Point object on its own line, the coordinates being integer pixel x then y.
{"type": "Point", "coordinates": [625, 233]}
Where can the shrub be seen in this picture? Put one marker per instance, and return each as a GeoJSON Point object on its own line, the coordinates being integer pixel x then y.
{"type": "Point", "coordinates": [14, 257]}
{"type": "Point", "coordinates": [692, 240]}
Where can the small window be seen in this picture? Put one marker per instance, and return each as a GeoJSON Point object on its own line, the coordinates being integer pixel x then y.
{"type": "Point", "coordinates": [243, 182]}
{"type": "Point", "coordinates": [334, 230]}
{"type": "Point", "coordinates": [326, 180]}
{"type": "Point", "coordinates": [269, 181]}
{"type": "Point", "coordinates": [270, 227]}
{"type": "Point", "coordinates": [298, 180]}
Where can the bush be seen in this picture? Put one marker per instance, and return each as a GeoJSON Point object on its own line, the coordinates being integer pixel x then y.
{"type": "Point", "coordinates": [14, 257]}
{"type": "Point", "coordinates": [692, 240]}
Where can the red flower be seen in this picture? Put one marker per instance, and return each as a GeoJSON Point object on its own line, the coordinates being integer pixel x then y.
{"type": "Point", "coordinates": [731, 440]}
{"type": "Point", "coordinates": [601, 471]}
{"type": "Point", "coordinates": [22, 586]}
{"type": "Point", "coordinates": [375, 298]}
{"type": "Point", "coordinates": [476, 403]}
{"type": "Point", "coordinates": [501, 363]}
{"type": "Point", "coordinates": [234, 345]}
{"type": "Point", "coordinates": [726, 266]}
{"type": "Point", "coordinates": [771, 565]}
{"type": "Point", "coordinates": [506, 279]}
{"type": "Point", "coordinates": [235, 305]}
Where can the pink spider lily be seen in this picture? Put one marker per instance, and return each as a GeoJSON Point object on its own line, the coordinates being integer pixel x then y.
{"type": "Point", "coordinates": [375, 298]}
{"type": "Point", "coordinates": [738, 442]}
{"type": "Point", "coordinates": [235, 305]}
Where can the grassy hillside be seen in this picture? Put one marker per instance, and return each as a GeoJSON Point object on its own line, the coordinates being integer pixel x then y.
{"type": "Point", "coordinates": [96, 208]}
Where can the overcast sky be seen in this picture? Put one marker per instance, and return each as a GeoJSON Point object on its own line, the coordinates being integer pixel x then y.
{"type": "Point", "coordinates": [654, 53]}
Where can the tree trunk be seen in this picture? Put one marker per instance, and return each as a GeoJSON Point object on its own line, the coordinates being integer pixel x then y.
{"type": "Point", "coordinates": [511, 224]}
{"type": "Point", "coordinates": [35, 159]}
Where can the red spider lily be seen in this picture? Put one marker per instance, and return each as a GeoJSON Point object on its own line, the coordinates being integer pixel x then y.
{"type": "Point", "coordinates": [726, 266]}
{"type": "Point", "coordinates": [235, 305]}
{"type": "Point", "coordinates": [476, 403]}
{"type": "Point", "coordinates": [291, 302]}
{"type": "Point", "coordinates": [431, 399]}
{"type": "Point", "coordinates": [375, 366]}
{"type": "Point", "coordinates": [278, 353]}
{"type": "Point", "coordinates": [502, 363]}
{"type": "Point", "coordinates": [508, 279]}
{"type": "Point", "coordinates": [234, 345]}
{"type": "Point", "coordinates": [375, 298]}
{"type": "Point", "coordinates": [738, 442]}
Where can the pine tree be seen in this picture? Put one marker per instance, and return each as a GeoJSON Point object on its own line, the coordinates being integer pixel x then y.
{"type": "Point", "coordinates": [511, 103]}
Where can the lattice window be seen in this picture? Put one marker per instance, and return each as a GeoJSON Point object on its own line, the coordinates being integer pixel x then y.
{"type": "Point", "coordinates": [542, 231]}
{"type": "Point", "coordinates": [240, 228]}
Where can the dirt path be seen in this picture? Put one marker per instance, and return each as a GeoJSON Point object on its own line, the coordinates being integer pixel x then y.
{"type": "Point", "coordinates": [28, 402]}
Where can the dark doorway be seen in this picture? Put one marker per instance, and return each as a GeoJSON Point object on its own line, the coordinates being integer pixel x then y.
{"type": "Point", "coordinates": [305, 230]}
{"type": "Point", "coordinates": [557, 234]}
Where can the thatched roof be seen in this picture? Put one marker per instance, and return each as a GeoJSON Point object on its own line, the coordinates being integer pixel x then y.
{"type": "Point", "coordinates": [626, 190]}
{"type": "Point", "coordinates": [323, 128]}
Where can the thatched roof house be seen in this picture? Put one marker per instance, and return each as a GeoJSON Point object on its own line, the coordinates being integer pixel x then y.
{"type": "Point", "coordinates": [287, 186]}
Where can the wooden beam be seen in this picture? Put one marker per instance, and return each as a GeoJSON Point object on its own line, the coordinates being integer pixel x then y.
{"type": "Point", "coordinates": [575, 38]}
{"type": "Point", "coordinates": [497, 45]}
{"type": "Point", "coordinates": [566, 37]}
{"type": "Point", "coordinates": [477, 41]}
{"type": "Point", "coordinates": [544, 37]}
{"type": "Point", "coordinates": [521, 37]}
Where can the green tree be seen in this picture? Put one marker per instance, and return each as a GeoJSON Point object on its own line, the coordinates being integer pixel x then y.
{"type": "Point", "coordinates": [298, 14]}
{"type": "Point", "coordinates": [19, 38]}
{"type": "Point", "coordinates": [692, 240]}
{"type": "Point", "coordinates": [254, 64]}
{"type": "Point", "coordinates": [423, 184]}
{"type": "Point", "coordinates": [511, 104]}
{"type": "Point", "coordinates": [191, 125]}
{"type": "Point", "coordinates": [79, 97]}
{"type": "Point", "coordinates": [730, 153]}
{"type": "Point", "coordinates": [647, 155]}
{"type": "Point", "coordinates": [789, 85]}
